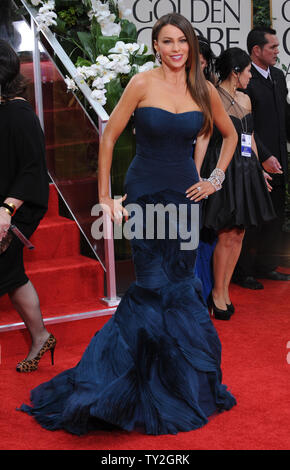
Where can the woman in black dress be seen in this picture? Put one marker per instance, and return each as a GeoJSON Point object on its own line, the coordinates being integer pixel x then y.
{"type": "Point", "coordinates": [244, 200]}
{"type": "Point", "coordinates": [23, 199]}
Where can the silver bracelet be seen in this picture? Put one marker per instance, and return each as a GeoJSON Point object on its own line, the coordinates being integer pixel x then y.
{"type": "Point", "coordinates": [217, 178]}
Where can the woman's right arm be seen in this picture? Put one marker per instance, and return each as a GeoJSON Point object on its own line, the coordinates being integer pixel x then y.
{"type": "Point", "coordinates": [119, 118]}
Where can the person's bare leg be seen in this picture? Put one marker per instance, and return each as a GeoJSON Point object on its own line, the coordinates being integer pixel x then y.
{"type": "Point", "coordinates": [220, 263]}
{"type": "Point", "coordinates": [25, 301]}
{"type": "Point", "coordinates": [237, 239]}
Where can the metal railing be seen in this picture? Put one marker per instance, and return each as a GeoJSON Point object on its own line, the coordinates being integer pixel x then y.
{"type": "Point", "coordinates": [102, 117]}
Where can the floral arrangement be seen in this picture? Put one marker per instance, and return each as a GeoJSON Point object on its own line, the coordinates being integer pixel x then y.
{"type": "Point", "coordinates": [102, 40]}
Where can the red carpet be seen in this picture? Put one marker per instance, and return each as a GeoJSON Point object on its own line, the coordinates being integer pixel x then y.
{"type": "Point", "coordinates": [254, 367]}
{"type": "Point", "coordinates": [254, 364]}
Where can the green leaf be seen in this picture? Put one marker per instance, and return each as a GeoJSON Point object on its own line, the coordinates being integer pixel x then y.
{"type": "Point", "coordinates": [142, 59]}
{"type": "Point", "coordinates": [128, 31]}
{"type": "Point", "coordinates": [60, 27]}
{"type": "Point", "coordinates": [113, 7]}
{"type": "Point", "coordinates": [87, 3]}
{"type": "Point", "coordinates": [105, 43]}
{"type": "Point", "coordinates": [88, 44]}
{"type": "Point", "coordinates": [62, 4]}
{"type": "Point", "coordinates": [114, 92]}
{"type": "Point", "coordinates": [81, 62]}
{"type": "Point", "coordinates": [96, 29]}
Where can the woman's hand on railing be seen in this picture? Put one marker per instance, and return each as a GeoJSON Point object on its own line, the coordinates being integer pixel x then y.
{"type": "Point", "coordinates": [114, 208]}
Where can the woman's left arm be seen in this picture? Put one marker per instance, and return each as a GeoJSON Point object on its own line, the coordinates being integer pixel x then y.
{"type": "Point", "coordinates": [200, 151]}
{"type": "Point", "coordinates": [222, 121]}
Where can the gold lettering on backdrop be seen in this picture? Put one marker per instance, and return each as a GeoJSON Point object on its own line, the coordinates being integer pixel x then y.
{"type": "Point", "coordinates": [225, 23]}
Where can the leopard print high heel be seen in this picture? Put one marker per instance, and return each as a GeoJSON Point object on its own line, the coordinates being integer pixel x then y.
{"type": "Point", "coordinates": [32, 364]}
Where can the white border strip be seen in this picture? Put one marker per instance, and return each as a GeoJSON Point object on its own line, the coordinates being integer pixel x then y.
{"type": "Point", "coordinates": [62, 319]}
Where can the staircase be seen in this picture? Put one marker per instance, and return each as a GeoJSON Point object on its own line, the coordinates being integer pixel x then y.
{"type": "Point", "coordinates": [63, 268]}
{"type": "Point", "coordinates": [70, 286]}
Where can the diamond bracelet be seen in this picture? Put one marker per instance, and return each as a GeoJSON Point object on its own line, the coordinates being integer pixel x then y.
{"type": "Point", "coordinates": [217, 178]}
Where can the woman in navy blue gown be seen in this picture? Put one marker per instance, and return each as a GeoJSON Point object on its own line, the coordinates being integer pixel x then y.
{"type": "Point", "coordinates": [155, 365]}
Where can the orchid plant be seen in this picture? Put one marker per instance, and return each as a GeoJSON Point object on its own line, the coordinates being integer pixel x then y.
{"type": "Point", "coordinates": [108, 51]}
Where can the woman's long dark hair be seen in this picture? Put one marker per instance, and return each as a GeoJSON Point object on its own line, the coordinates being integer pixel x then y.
{"type": "Point", "coordinates": [231, 60]}
{"type": "Point", "coordinates": [12, 83]}
{"type": "Point", "coordinates": [208, 55]}
{"type": "Point", "coordinates": [196, 81]}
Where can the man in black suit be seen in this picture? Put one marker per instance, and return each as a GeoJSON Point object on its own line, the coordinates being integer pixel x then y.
{"type": "Point", "coordinates": [271, 113]}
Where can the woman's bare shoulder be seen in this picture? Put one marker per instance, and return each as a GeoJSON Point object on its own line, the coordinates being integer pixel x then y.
{"type": "Point", "coordinates": [142, 79]}
{"type": "Point", "coordinates": [244, 100]}
{"type": "Point", "coordinates": [210, 86]}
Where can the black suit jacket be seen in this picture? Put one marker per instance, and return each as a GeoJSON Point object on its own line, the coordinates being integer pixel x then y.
{"type": "Point", "coordinates": [271, 114]}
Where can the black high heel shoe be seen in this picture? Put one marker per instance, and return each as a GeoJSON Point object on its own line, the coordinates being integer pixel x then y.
{"type": "Point", "coordinates": [231, 309]}
{"type": "Point", "coordinates": [218, 313]}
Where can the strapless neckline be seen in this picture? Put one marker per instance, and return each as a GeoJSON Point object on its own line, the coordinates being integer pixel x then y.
{"type": "Point", "coordinates": [169, 112]}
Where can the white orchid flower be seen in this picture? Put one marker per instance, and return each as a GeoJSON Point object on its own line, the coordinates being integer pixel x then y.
{"type": "Point", "coordinates": [46, 7]}
{"type": "Point", "coordinates": [35, 2]}
{"type": "Point", "coordinates": [102, 60]}
{"type": "Point", "coordinates": [146, 66]}
{"type": "Point", "coordinates": [119, 58]}
{"type": "Point", "coordinates": [70, 83]}
{"type": "Point", "coordinates": [101, 8]}
{"type": "Point", "coordinates": [141, 49]}
{"type": "Point", "coordinates": [99, 96]}
{"type": "Point", "coordinates": [120, 67]}
{"type": "Point", "coordinates": [108, 75]}
{"type": "Point", "coordinates": [99, 83]}
{"type": "Point", "coordinates": [87, 72]}
{"type": "Point", "coordinates": [123, 10]}
{"type": "Point", "coordinates": [95, 69]}
{"type": "Point", "coordinates": [119, 48]}
{"type": "Point", "coordinates": [46, 19]}
{"type": "Point", "coordinates": [110, 29]}
{"type": "Point", "coordinates": [131, 48]}
{"type": "Point", "coordinates": [96, 4]}
{"type": "Point", "coordinates": [101, 12]}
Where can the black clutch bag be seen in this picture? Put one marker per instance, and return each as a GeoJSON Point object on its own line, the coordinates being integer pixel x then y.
{"type": "Point", "coordinates": [5, 242]}
{"type": "Point", "coordinates": [13, 230]}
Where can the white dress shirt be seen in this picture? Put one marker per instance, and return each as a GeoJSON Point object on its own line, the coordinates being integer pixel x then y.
{"type": "Point", "coordinates": [265, 73]}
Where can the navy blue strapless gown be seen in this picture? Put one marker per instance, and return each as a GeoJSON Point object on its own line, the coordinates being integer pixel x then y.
{"type": "Point", "coordinates": [155, 365]}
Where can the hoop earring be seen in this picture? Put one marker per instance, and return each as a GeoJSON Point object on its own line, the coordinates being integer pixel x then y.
{"type": "Point", "coordinates": [158, 57]}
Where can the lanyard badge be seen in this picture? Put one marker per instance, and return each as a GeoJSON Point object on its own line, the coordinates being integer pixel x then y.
{"type": "Point", "coordinates": [246, 145]}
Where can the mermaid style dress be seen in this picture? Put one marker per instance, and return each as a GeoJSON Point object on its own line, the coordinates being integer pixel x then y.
{"type": "Point", "coordinates": [155, 365]}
